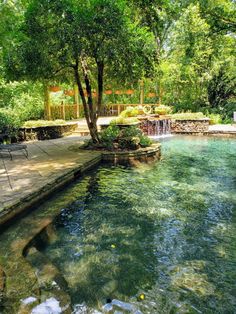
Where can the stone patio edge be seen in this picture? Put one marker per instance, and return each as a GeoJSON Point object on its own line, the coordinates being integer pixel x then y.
{"type": "Point", "coordinates": [28, 202]}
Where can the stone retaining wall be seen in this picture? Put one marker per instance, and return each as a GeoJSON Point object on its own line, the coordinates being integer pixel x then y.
{"type": "Point", "coordinates": [46, 132]}
{"type": "Point", "coordinates": [190, 126]}
{"type": "Point", "coordinates": [147, 154]}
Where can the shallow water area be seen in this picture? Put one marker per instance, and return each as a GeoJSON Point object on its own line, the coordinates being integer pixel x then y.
{"type": "Point", "coordinates": [160, 237]}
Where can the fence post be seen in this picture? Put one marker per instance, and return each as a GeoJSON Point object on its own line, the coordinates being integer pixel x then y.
{"type": "Point", "coordinates": [63, 111]}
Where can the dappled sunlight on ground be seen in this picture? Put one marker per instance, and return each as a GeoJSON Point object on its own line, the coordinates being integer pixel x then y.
{"type": "Point", "coordinates": [47, 160]}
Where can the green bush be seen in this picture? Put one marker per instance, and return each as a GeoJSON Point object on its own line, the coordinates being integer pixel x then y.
{"type": "Point", "coordinates": [9, 123]}
{"type": "Point", "coordinates": [228, 110]}
{"type": "Point", "coordinates": [145, 141]}
{"type": "Point", "coordinates": [24, 98]}
{"type": "Point", "coordinates": [131, 131]}
{"type": "Point", "coordinates": [215, 118]}
{"type": "Point", "coordinates": [130, 112]}
{"type": "Point", "coordinates": [162, 110]}
{"type": "Point", "coordinates": [109, 135]}
{"type": "Point", "coordinates": [123, 138]}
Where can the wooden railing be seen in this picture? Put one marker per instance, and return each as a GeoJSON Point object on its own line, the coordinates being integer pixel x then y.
{"type": "Point", "coordinates": [65, 112]}
{"type": "Point", "coordinates": [69, 112]}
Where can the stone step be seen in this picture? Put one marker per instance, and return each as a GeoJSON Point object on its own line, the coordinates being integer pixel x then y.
{"type": "Point", "coordinates": [81, 133]}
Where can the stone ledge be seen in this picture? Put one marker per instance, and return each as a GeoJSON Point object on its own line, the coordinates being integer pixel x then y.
{"type": "Point", "coordinates": [33, 198]}
{"type": "Point", "coordinates": [142, 154]}
{"type": "Point", "coordinates": [46, 132]}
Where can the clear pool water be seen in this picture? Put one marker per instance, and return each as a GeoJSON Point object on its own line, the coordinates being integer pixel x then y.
{"type": "Point", "coordinates": [167, 231]}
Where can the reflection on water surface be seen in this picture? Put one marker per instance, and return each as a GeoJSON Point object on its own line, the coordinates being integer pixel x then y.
{"type": "Point", "coordinates": [167, 231]}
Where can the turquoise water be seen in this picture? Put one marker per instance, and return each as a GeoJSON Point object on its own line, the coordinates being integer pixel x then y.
{"type": "Point", "coordinates": [167, 231]}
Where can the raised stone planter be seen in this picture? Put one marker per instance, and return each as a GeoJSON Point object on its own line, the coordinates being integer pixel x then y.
{"type": "Point", "coordinates": [190, 126]}
{"type": "Point", "coordinates": [146, 154]}
{"type": "Point", "coordinates": [46, 132]}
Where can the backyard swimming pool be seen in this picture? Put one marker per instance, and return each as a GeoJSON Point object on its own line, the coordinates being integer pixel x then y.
{"type": "Point", "coordinates": [161, 237]}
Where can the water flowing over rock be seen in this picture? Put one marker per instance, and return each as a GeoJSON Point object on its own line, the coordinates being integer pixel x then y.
{"type": "Point", "coordinates": [156, 127]}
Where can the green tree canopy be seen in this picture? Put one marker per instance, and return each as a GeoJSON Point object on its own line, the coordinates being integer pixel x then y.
{"type": "Point", "coordinates": [84, 39]}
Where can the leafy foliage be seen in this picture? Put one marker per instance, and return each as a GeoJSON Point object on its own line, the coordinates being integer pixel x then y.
{"type": "Point", "coordinates": [130, 137]}
{"type": "Point", "coordinates": [25, 99]}
{"type": "Point", "coordinates": [109, 135]}
{"type": "Point", "coordinates": [185, 49]}
{"type": "Point", "coordinates": [9, 123]}
{"type": "Point", "coordinates": [130, 112]}
{"type": "Point", "coordinates": [162, 110]}
{"type": "Point", "coordinates": [215, 118]}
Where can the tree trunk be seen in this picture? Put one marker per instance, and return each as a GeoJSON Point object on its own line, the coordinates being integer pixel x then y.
{"type": "Point", "coordinates": [47, 102]}
{"type": "Point", "coordinates": [100, 67]}
{"type": "Point", "coordinates": [91, 118]}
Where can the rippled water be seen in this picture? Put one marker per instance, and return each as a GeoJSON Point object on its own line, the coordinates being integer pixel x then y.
{"type": "Point", "coordinates": [167, 231]}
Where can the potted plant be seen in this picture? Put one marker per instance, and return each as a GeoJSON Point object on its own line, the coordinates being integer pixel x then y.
{"type": "Point", "coordinates": [108, 92]}
{"type": "Point", "coordinates": [69, 92]}
{"type": "Point", "coordinates": [129, 92]}
{"type": "Point", "coordinates": [54, 89]}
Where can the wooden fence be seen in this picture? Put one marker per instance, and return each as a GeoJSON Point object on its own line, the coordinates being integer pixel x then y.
{"type": "Point", "coordinates": [70, 112]}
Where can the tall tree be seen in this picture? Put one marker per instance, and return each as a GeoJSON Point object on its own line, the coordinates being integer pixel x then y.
{"type": "Point", "coordinates": [186, 69]}
{"type": "Point", "coordinates": [81, 38]}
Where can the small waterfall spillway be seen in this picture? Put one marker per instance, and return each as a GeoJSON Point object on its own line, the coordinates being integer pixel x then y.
{"type": "Point", "coordinates": [156, 127]}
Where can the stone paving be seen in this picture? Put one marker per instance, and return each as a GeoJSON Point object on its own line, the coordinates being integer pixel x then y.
{"type": "Point", "coordinates": [46, 161]}
{"type": "Point", "coordinates": [224, 128]}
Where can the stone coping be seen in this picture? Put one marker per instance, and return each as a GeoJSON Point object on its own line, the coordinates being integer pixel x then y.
{"type": "Point", "coordinates": [133, 153]}
{"type": "Point", "coordinates": [208, 133]}
{"type": "Point", "coordinates": [46, 132]}
{"type": "Point", "coordinates": [202, 119]}
{"type": "Point", "coordinates": [142, 154]}
{"type": "Point", "coordinates": [48, 126]}
{"type": "Point", "coordinates": [32, 199]}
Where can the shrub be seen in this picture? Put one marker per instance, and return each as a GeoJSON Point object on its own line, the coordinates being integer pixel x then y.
{"type": "Point", "coordinates": [215, 118]}
{"type": "Point", "coordinates": [130, 112]}
{"type": "Point", "coordinates": [162, 110]}
{"type": "Point", "coordinates": [145, 141]}
{"type": "Point", "coordinates": [9, 123]}
{"type": "Point", "coordinates": [228, 110]}
{"type": "Point", "coordinates": [131, 131]}
{"type": "Point", "coordinates": [24, 98]}
{"type": "Point", "coordinates": [109, 135]}
{"type": "Point", "coordinates": [127, 138]}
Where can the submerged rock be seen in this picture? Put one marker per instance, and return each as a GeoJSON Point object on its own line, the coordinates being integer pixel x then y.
{"type": "Point", "coordinates": [29, 300]}
{"type": "Point", "coordinates": [123, 305]}
{"type": "Point", "coordinates": [107, 308]}
{"type": "Point", "coordinates": [50, 306]}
